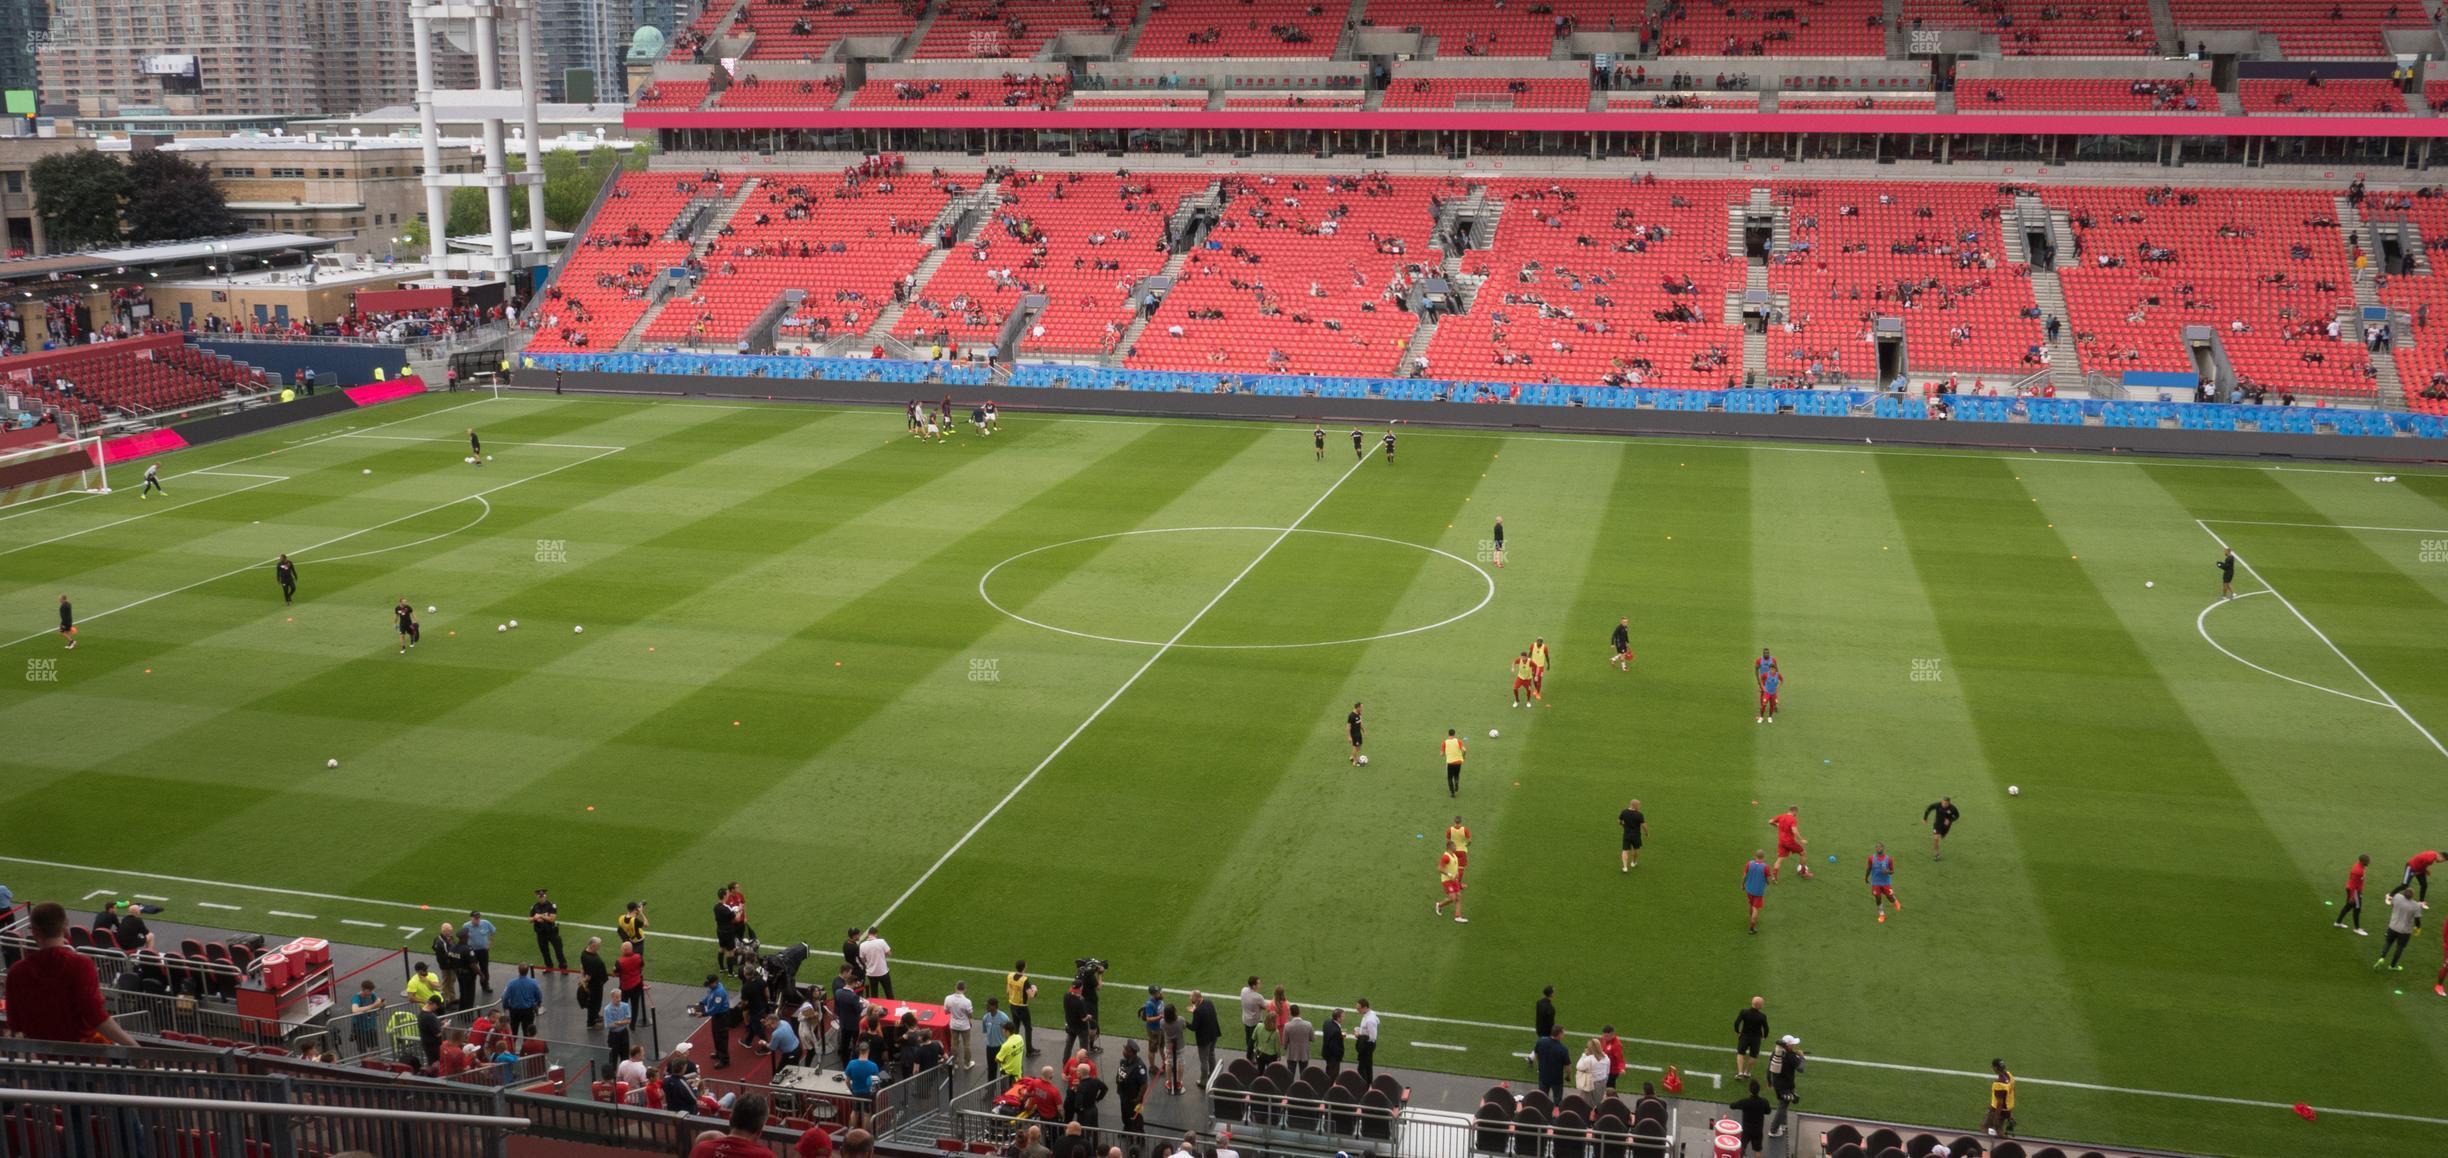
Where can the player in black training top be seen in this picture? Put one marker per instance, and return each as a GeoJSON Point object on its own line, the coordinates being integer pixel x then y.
{"type": "Point", "coordinates": [1635, 829]}
{"type": "Point", "coordinates": [68, 632]}
{"type": "Point", "coordinates": [1500, 542]}
{"type": "Point", "coordinates": [1352, 724]}
{"type": "Point", "coordinates": [1389, 445]}
{"type": "Point", "coordinates": [1319, 436]}
{"type": "Point", "coordinates": [1359, 444]}
{"type": "Point", "coordinates": [1942, 816]}
{"type": "Point", "coordinates": [286, 572]}
{"type": "Point", "coordinates": [2226, 566]}
{"type": "Point", "coordinates": [406, 617]}
{"type": "Point", "coordinates": [475, 448]}
{"type": "Point", "coordinates": [1621, 641]}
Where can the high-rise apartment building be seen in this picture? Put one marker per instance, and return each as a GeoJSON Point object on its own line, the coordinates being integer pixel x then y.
{"type": "Point", "coordinates": [233, 57]}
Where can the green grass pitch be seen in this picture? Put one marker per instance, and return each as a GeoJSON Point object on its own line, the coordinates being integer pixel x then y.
{"type": "Point", "coordinates": [792, 674]}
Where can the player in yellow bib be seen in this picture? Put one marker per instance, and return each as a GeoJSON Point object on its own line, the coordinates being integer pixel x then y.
{"type": "Point", "coordinates": [1523, 674]}
{"type": "Point", "coordinates": [1538, 668]}
{"type": "Point", "coordinates": [1454, 750]}
{"type": "Point", "coordinates": [1449, 883]}
{"type": "Point", "coordinates": [1457, 835]}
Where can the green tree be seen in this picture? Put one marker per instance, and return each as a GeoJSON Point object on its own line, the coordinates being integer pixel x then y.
{"type": "Point", "coordinates": [78, 196]}
{"type": "Point", "coordinates": [171, 198]}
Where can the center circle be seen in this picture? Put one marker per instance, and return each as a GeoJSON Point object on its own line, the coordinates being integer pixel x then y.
{"type": "Point", "coordinates": [1173, 562]}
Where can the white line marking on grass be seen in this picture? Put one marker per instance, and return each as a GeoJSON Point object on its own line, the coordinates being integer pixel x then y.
{"type": "Point", "coordinates": [1441, 1045]}
{"type": "Point", "coordinates": [481, 516]}
{"type": "Point", "coordinates": [407, 931]}
{"type": "Point", "coordinates": [2391, 701]}
{"type": "Point", "coordinates": [478, 496]}
{"type": "Point", "coordinates": [99, 893]}
{"type": "Point", "coordinates": [429, 438]}
{"type": "Point", "coordinates": [293, 916]}
{"type": "Point", "coordinates": [1127, 684]}
{"type": "Point", "coordinates": [149, 897]}
{"type": "Point", "coordinates": [365, 924]}
{"type": "Point", "coordinates": [217, 905]}
{"type": "Point", "coordinates": [2328, 526]}
{"type": "Point", "coordinates": [1484, 600]}
{"type": "Point", "coordinates": [1132, 986]}
{"type": "Point", "coordinates": [2201, 623]}
{"type": "Point", "coordinates": [269, 480]}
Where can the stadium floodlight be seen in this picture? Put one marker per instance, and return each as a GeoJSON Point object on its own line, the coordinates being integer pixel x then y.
{"type": "Point", "coordinates": [69, 466]}
{"type": "Point", "coordinates": [496, 100]}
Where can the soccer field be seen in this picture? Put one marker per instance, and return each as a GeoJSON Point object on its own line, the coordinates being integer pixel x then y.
{"type": "Point", "coordinates": [1078, 689]}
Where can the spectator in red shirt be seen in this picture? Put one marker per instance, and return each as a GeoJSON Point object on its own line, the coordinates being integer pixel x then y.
{"type": "Point", "coordinates": [744, 1139]}
{"type": "Point", "coordinates": [54, 993]}
{"type": "Point", "coordinates": [814, 1144]}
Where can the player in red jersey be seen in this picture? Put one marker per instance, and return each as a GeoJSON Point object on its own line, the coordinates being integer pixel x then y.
{"type": "Point", "coordinates": [2353, 908]}
{"type": "Point", "coordinates": [1789, 842]}
{"type": "Point", "coordinates": [1449, 877]}
{"type": "Point", "coordinates": [2418, 872]}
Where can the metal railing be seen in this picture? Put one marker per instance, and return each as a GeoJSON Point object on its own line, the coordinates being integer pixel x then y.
{"type": "Point", "coordinates": [74, 1106]}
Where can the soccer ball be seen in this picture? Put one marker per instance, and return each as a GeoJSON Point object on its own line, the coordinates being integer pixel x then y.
{"type": "Point", "coordinates": [2012, 790]}
{"type": "Point", "coordinates": [514, 623]}
{"type": "Point", "coordinates": [1364, 761]}
{"type": "Point", "coordinates": [501, 627]}
{"type": "Point", "coordinates": [2148, 583]}
{"type": "Point", "coordinates": [576, 629]}
{"type": "Point", "coordinates": [430, 609]}
{"type": "Point", "coordinates": [471, 458]}
{"type": "Point", "coordinates": [331, 763]}
{"type": "Point", "coordinates": [488, 458]}
{"type": "Point", "coordinates": [1491, 733]}
{"type": "Point", "coordinates": [368, 470]}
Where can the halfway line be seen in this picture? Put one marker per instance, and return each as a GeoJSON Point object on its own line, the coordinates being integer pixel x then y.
{"type": "Point", "coordinates": [1127, 684]}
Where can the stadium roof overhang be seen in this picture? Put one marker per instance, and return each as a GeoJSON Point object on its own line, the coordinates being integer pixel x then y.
{"type": "Point", "coordinates": [1640, 121]}
{"type": "Point", "coordinates": [119, 262]}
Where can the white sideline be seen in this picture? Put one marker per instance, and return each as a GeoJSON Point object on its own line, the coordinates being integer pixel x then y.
{"type": "Point", "coordinates": [2328, 526]}
{"type": "Point", "coordinates": [2390, 701]}
{"type": "Point", "coordinates": [268, 480]}
{"type": "Point", "coordinates": [1127, 684]}
{"type": "Point", "coordinates": [1524, 1030]}
{"type": "Point", "coordinates": [478, 497]}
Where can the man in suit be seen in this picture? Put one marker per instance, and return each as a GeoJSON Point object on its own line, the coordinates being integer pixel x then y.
{"type": "Point", "coordinates": [1330, 1044]}
{"type": "Point", "coordinates": [1206, 1030]}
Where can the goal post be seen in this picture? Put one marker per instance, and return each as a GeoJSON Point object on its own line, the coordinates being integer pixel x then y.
{"type": "Point", "coordinates": [34, 473]}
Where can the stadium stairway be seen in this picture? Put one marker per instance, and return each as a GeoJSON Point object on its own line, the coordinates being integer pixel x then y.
{"type": "Point", "coordinates": [2163, 25]}
{"type": "Point", "coordinates": [2359, 232]}
{"type": "Point", "coordinates": [709, 229]}
{"type": "Point", "coordinates": [982, 202]}
{"type": "Point", "coordinates": [2065, 364]}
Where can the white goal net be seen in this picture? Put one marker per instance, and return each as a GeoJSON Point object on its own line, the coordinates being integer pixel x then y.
{"type": "Point", "coordinates": [34, 473]}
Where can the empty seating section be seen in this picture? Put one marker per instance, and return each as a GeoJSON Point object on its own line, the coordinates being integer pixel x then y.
{"type": "Point", "coordinates": [1774, 28]}
{"type": "Point", "coordinates": [2084, 95]}
{"type": "Point", "coordinates": [2045, 27]}
{"type": "Point", "coordinates": [1082, 239]}
{"type": "Point", "coordinates": [1929, 254]}
{"type": "Point", "coordinates": [1487, 27]}
{"type": "Point", "coordinates": [2266, 269]}
{"type": "Point", "coordinates": [2366, 96]}
{"type": "Point", "coordinates": [600, 291]}
{"type": "Point", "coordinates": [2421, 337]}
{"type": "Point", "coordinates": [1135, 101]}
{"type": "Point", "coordinates": [1633, 102]}
{"type": "Point", "coordinates": [808, 29]}
{"type": "Point", "coordinates": [1488, 92]}
{"type": "Point", "coordinates": [842, 239]}
{"type": "Point", "coordinates": [1856, 104]}
{"type": "Point", "coordinates": [1243, 29]}
{"type": "Point", "coordinates": [1010, 91]}
{"type": "Point", "coordinates": [1587, 284]}
{"type": "Point", "coordinates": [758, 93]}
{"type": "Point", "coordinates": [672, 94]}
{"type": "Point", "coordinates": [2307, 29]}
{"type": "Point", "coordinates": [1292, 100]}
{"type": "Point", "coordinates": [1016, 29]}
{"type": "Point", "coordinates": [139, 378]}
{"type": "Point", "coordinates": [1300, 276]}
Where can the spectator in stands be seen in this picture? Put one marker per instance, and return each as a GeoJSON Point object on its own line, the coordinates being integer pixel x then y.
{"type": "Point", "coordinates": [745, 1138]}
{"type": "Point", "coordinates": [363, 1009]}
{"type": "Point", "coordinates": [422, 986]}
{"type": "Point", "coordinates": [616, 1017]}
{"type": "Point", "coordinates": [429, 1029]}
{"type": "Point", "coordinates": [1552, 1057]}
{"type": "Point", "coordinates": [678, 1097]}
{"type": "Point", "coordinates": [54, 993]}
